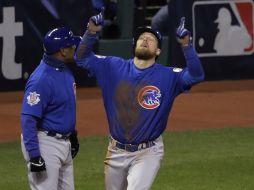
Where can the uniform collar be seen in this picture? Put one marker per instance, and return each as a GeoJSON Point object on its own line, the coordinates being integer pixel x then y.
{"type": "Point", "coordinates": [53, 62]}
{"type": "Point", "coordinates": [137, 70]}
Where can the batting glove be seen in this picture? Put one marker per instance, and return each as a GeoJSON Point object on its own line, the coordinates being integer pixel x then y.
{"type": "Point", "coordinates": [74, 144]}
{"type": "Point", "coordinates": [37, 164]}
{"type": "Point", "coordinates": [181, 31]}
{"type": "Point", "coordinates": [98, 19]}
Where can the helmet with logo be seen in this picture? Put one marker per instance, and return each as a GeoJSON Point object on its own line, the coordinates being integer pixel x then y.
{"type": "Point", "coordinates": [143, 29]}
{"type": "Point", "coordinates": [59, 38]}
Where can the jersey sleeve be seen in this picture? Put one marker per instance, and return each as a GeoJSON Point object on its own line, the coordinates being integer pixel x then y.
{"type": "Point", "coordinates": [29, 131]}
{"type": "Point", "coordinates": [181, 86]}
{"type": "Point", "coordinates": [36, 97]}
{"type": "Point", "coordinates": [100, 66]}
{"type": "Point", "coordinates": [194, 72]}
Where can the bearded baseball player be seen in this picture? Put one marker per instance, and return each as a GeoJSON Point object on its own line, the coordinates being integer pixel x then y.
{"type": "Point", "coordinates": [48, 116]}
{"type": "Point", "coordinates": [138, 95]}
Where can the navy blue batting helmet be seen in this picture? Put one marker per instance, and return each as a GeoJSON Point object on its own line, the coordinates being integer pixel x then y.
{"type": "Point", "coordinates": [59, 38]}
{"type": "Point", "coordinates": [141, 30]}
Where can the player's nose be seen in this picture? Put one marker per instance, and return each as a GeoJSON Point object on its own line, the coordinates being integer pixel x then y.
{"type": "Point", "coordinates": [145, 39]}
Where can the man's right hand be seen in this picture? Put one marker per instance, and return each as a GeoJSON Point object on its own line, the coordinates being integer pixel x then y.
{"type": "Point", "coordinates": [37, 164]}
{"type": "Point", "coordinates": [96, 22]}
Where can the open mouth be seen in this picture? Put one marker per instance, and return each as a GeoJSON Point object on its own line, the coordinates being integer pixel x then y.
{"type": "Point", "coordinates": [144, 45]}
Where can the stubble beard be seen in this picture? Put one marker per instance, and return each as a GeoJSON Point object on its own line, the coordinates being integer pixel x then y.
{"type": "Point", "coordinates": [144, 54]}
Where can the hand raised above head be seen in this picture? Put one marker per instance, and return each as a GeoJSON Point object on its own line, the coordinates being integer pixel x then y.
{"type": "Point", "coordinates": [99, 18]}
{"type": "Point", "coordinates": [181, 31]}
{"type": "Point", "coordinates": [96, 22]}
{"type": "Point", "coordinates": [183, 35]}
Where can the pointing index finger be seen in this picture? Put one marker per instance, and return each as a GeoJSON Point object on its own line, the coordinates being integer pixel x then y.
{"type": "Point", "coordinates": [182, 23]}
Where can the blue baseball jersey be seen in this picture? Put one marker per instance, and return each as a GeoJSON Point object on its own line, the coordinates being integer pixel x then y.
{"type": "Point", "coordinates": [137, 101]}
{"type": "Point", "coordinates": [50, 97]}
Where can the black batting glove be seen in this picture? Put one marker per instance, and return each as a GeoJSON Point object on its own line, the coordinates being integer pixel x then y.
{"type": "Point", "coordinates": [74, 144]}
{"type": "Point", "coordinates": [37, 164]}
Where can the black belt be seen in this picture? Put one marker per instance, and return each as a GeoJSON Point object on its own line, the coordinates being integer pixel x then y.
{"type": "Point", "coordinates": [56, 135]}
{"type": "Point", "coordinates": [132, 147]}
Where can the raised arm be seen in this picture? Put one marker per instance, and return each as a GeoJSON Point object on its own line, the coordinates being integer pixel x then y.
{"type": "Point", "coordinates": [194, 73]}
{"type": "Point", "coordinates": [84, 50]}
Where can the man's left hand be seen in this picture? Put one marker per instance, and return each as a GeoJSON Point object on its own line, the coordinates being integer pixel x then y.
{"type": "Point", "coordinates": [183, 35]}
{"type": "Point", "coordinates": [96, 22]}
{"type": "Point", "coordinates": [74, 144]}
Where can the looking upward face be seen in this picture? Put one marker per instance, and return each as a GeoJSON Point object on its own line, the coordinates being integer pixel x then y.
{"type": "Point", "coordinates": [147, 46]}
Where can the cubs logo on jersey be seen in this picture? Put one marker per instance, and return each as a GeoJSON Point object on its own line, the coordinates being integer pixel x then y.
{"type": "Point", "coordinates": [223, 28]}
{"type": "Point", "coordinates": [149, 97]}
{"type": "Point", "coordinates": [33, 98]}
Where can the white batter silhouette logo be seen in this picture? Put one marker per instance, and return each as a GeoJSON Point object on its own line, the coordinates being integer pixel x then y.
{"type": "Point", "coordinates": [223, 28]}
{"type": "Point", "coordinates": [231, 39]}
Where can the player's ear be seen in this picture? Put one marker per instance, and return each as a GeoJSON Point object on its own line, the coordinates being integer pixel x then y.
{"type": "Point", "coordinates": [158, 52]}
{"type": "Point", "coordinates": [62, 52]}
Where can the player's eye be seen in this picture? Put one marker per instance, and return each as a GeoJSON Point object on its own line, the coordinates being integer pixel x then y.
{"type": "Point", "coordinates": [147, 38]}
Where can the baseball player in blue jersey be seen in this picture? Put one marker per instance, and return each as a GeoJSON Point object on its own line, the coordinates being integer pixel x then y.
{"type": "Point", "coordinates": [48, 115]}
{"type": "Point", "coordinates": [138, 95]}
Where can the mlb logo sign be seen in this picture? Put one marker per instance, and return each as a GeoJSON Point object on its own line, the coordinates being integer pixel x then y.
{"type": "Point", "coordinates": [223, 28]}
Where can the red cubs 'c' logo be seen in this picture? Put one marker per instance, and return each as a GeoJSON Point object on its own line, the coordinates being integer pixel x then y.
{"type": "Point", "coordinates": [149, 97]}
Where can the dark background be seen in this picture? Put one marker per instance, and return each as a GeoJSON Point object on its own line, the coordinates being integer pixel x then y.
{"type": "Point", "coordinates": [37, 20]}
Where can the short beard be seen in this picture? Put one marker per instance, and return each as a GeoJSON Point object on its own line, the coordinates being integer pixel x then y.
{"type": "Point", "coordinates": [144, 54]}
